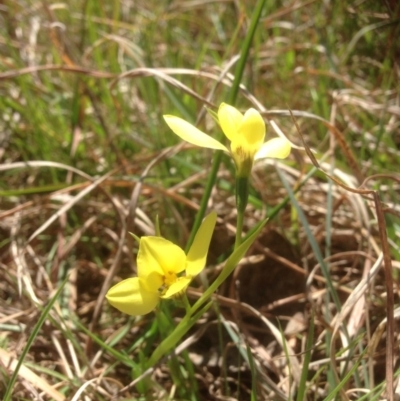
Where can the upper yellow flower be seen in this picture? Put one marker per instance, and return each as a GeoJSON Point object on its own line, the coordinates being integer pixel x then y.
{"type": "Point", "coordinates": [246, 133]}
{"type": "Point", "coordinates": [159, 263]}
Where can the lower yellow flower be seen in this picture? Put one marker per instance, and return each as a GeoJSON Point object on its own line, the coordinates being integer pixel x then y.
{"type": "Point", "coordinates": [245, 132]}
{"type": "Point", "coordinates": [160, 264]}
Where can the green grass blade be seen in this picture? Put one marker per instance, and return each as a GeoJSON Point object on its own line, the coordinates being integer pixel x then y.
{"type": "Point", "coordinates": [31, 339]}
{"type": "Point", "coordinates": [229, 266]}
{"type": "Point", "coordinates": [335, 391]}
{"type": "Point", "coordinates": [312, 240]}
{"type": "Point", "coordinates": [301, 392]}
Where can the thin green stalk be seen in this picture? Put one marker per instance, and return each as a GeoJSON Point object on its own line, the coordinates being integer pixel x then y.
{"type": "Point", "coordinates": [239, 229]}
{"type": "Point", "coordinates": [229, 266]}
{"type": "Point", "coordinates": [242, 197]}
{"type": "Point", "coordinates": [302, 388]}
{"type": "Point", "coordinates": [244, 53]}
{"type": "Point", "coordinates": [206, 196]}
{"type": "Point", "coordinates": [313, 242]}
{"type": "Point", "coordinates": [170, 342]}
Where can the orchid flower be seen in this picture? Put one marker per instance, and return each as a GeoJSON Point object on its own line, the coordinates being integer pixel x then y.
{"type": "Point", "coordinates": [164, 271]}
{"type": "Point", "coordinates": [245, 132]}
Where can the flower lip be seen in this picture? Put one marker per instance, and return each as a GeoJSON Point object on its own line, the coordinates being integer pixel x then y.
{"type": "Point", "coordinates": [130, 296]}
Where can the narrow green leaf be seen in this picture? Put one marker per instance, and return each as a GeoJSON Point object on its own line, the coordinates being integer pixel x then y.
{"type": "Point", "coordinates": [31, 339]}
{"type": "Point", "coordinates": [229, 266]}
{"type": "Point", "coordinates": [301, 391]}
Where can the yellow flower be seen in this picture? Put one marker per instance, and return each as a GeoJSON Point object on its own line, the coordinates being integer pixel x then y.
{"type": "Point", "coordinates": [159, 264]}
{"type": "Point", "coordinates": [245, 132]}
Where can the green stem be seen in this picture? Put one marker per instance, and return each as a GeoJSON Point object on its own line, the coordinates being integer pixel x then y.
{"type": "Point", "coordinates": [242, 197]}
{"type": "Point", "coordinates": [170, 342]}
{"type": "Point", "coordinates": [239, 229]}
{"type": "Point", "coordinates": [206, 196]}
{"type": "Point", "coordinates": [244, 53]}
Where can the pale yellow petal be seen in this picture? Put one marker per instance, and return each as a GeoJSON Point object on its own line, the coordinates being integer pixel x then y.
{"type": "Point", "coordinates": [197, 255]}
{"type": "Point", "coordinates": [229, 118]}
{"type": "Point", "coordinates": [252, 131]}
{"type": "Point", "coordinates": [279, 148]}
{"type": "Point", "coordinates": [158, 257]}
{"type": "Point", "coordinates": [177, 287]}
{"type": "Point", "coordinates": [191, 134]}
{"type": "Point", "coordinates": [130, 296]}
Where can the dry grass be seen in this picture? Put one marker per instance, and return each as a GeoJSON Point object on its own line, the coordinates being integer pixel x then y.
{"type": "Point", "coordinates": [86, 158]}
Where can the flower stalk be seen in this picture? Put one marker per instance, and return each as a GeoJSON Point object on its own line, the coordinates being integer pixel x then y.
{"type": "Point", "coordinates": [242, 196]}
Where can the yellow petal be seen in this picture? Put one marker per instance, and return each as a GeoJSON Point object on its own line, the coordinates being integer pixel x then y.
{"type": "Point", "coordinates": [197, 255]}
{"type": "Point", "coordinates": [130, 296]}
{"type": "Point", "coordinates": [156, 258]}
{"type": "Point", "coordinates": [229, 119]}
{"type": "Point", "coordinates": [191, 134]}
{"type": "Point", "coordinates": [278, 148]}
{"type": "Point", "coordinates": [179, 286]}
{"type": "Point", "coordinates": [252, 131]}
